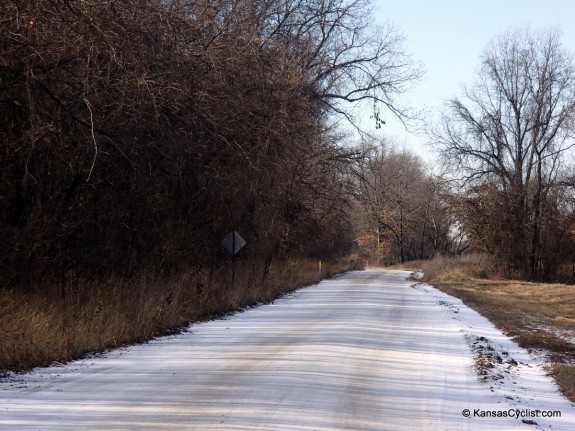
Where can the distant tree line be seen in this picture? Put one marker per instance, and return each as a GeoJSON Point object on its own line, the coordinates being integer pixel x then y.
{"type": "Point", "coordinates": [135, 134]}
{"type": "Point", "coordinates": [402, 210]}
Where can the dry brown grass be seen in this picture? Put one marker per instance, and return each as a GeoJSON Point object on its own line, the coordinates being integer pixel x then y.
{"type": "Point", "coordinates": [412, 265]}
{"type": "Point", "coordinates": [537, 315]}
{"type": "Point", "coordinates": [565, 376]}
{"type": "Point", "coordinates": [39, 328]}
{"type": "Point", "coordinates": [445, 269]}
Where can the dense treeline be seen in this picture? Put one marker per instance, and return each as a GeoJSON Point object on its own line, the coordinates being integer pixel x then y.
{"type": "Point", "coordinates": [135, 134]}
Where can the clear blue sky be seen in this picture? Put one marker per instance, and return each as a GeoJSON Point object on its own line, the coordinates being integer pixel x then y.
{"type": "Point", "coordinates": [448, 37]}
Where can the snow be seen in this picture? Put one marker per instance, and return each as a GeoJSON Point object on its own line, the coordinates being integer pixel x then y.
{"type": "Point", "coordinates": [369, 350]}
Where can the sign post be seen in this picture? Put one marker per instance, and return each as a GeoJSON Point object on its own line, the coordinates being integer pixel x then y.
{"type": "Point", "coordinates": [233, 243]}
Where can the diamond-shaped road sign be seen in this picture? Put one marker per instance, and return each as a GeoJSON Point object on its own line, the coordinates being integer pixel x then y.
{"type": "Point", "coordinates": [233, 242]}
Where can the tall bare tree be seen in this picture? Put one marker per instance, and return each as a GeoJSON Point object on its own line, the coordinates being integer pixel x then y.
{"type": "Point", "coordinates": [507, 137]}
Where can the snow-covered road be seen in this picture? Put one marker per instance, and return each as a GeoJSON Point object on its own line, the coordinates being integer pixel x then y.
{"type": "Point", "coordinates": [363, 351]}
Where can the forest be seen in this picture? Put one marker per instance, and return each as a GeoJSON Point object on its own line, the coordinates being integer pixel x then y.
{"type": "Point", "coordinates": [136, 134]}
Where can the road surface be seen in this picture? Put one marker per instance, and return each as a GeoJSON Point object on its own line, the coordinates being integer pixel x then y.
{"type": "Point", "coordinates": [362, 351]}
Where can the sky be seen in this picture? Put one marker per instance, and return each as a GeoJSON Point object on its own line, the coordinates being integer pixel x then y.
{"type": "Point", "coordinates": [448, 37]}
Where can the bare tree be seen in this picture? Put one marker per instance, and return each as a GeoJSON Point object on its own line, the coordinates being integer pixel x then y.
{"type": "Point", "coordinates": [511, 131]}
{"type": "Point", "coordinates": [346, 59]}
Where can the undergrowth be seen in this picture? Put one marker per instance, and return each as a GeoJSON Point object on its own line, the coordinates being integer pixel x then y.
{"type": "Point", "coordinates": [37, 328]}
